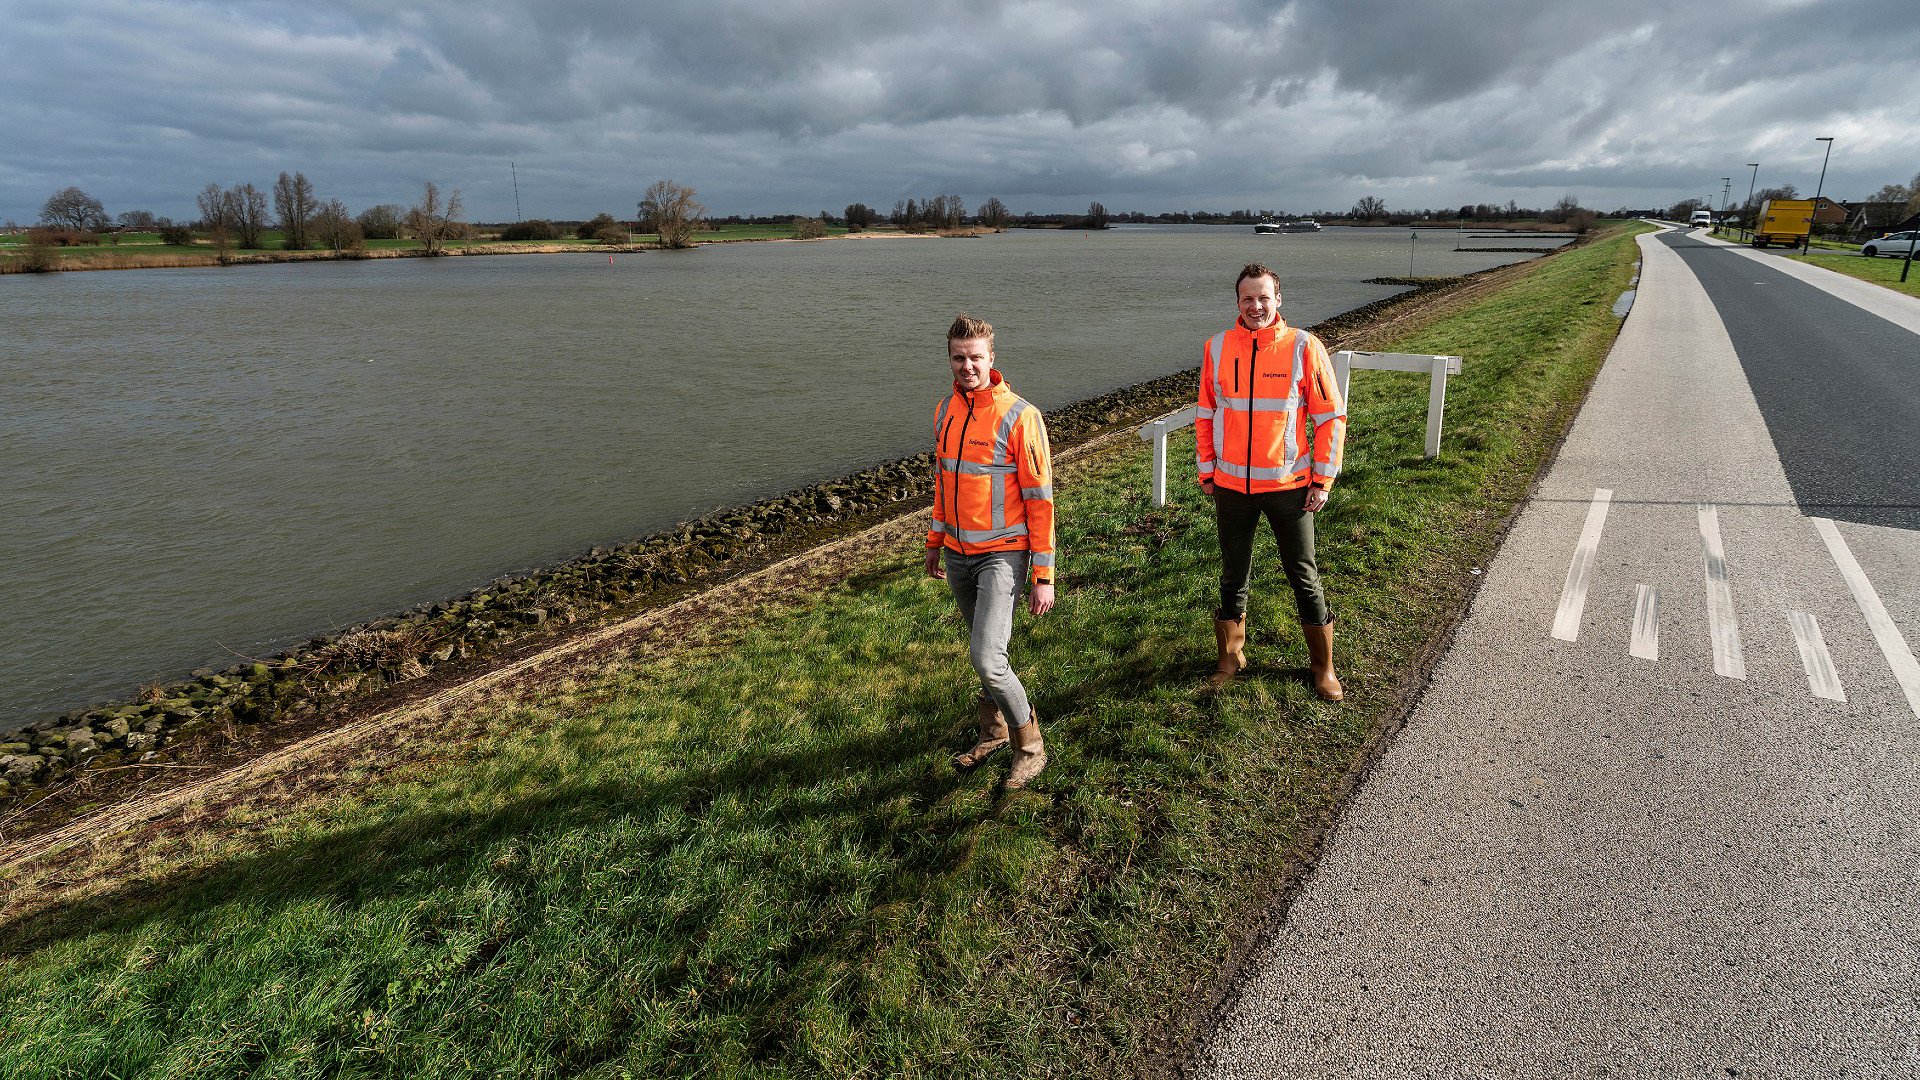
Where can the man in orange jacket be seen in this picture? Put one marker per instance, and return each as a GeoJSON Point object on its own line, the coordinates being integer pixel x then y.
{"type": "Point", "coordinates": [993, 524]}
{"type": "Point", "coordinates": [1264, 386]}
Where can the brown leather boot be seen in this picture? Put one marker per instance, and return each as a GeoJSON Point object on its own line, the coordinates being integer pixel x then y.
{"type": "Point", "coordinates": [1231, 637]}
{"type": "Point", "coordinates": [1320, 659]}
{"type": "Point", "coordinates": [1029, 754]}
{"type": "Point", "coordinates": [993, 733]}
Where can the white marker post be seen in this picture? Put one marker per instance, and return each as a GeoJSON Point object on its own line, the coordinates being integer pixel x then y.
{"type": "Point", "coordinates": [1156, 432]}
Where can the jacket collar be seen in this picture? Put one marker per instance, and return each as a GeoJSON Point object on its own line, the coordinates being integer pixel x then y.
{"type": "Point", "coordinates": [995, 388]}
{"type": "Point", "coordinates": [1273, 333]}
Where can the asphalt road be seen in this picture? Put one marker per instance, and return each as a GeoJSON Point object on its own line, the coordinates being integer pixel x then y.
{"type": "Point", "coordinates": [1656, 815]}
{"type": "Point", "coordinates": [1837, 386]}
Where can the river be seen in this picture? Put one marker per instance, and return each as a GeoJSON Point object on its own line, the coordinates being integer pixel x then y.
{"type": "Point", "coordinates": [205, 464]}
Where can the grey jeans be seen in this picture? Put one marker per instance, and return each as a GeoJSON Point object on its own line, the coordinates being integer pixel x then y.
{"type": "Point", "coordinates": [987, 588]}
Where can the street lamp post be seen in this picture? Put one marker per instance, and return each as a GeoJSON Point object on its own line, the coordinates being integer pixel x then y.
{"type": "Point", "coordinates": [1726, 185]}
{"type": "Point", "coordinates": [1751, 180]}
{"type": "Point", "coordinates": [1807, 244]}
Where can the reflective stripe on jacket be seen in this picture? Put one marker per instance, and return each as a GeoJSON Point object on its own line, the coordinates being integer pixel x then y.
{"type": "Point", "coordinates": [993, 475]}
{"type": "Point", "coordinates": [1259, 393]}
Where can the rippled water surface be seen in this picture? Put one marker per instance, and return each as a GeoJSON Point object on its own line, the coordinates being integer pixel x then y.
{"type": "Point", "coordinates": [204, 464]}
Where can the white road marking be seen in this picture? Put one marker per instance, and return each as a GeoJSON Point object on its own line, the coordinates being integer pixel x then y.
{"type": "Point", "coordinates": [1822, 679]}
{"type": "Point", "coordinates": [1573, 596]}
{"type": "Point", "coordinates": [1723, 623]}
{"type": "Point", "coordinates": [1906, 670]}
{"type": "Point", "coordinates": [1646, 624]}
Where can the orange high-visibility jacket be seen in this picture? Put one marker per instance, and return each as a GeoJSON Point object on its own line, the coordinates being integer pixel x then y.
{"type": "Point", "coordinates": [993, 477]}
{"type": "Point", "coordinates": [1258, 391]}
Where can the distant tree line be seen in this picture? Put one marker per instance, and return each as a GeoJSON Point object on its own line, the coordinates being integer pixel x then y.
{"type": "Point", "coordinates": [241, 216]}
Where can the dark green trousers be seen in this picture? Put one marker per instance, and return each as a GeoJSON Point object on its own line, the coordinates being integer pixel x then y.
{"type": "Point", "coordinates": [1237, 517]}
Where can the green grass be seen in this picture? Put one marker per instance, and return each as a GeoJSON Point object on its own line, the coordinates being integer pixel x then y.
{"type": "Point", "coordinates": [1879, 271]}
{"type": "Point", "coordinates": [149, 243]}
{"type": "Point", "coordinates": [748, 854]}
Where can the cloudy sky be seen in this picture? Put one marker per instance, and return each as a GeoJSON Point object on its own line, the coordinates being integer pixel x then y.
{"type": "Point", "coordinates": [775, 106]}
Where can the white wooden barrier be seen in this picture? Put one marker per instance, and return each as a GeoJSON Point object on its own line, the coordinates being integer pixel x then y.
{"type": "Point", "coordinates": [1344, 361]}
{"type": "Point", "coordinates": [1438, 367]}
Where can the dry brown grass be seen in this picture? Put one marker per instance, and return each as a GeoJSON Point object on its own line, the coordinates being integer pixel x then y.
{"type": "Point", "coordinates": [11, 264]}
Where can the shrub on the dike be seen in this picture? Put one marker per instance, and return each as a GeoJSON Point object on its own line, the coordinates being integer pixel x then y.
{"type": "Point", "coordinates": [537, 229]}
{"type": "Point", "coordinates": [588, 229]}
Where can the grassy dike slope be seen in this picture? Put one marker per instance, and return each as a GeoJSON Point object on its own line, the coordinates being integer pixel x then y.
{"type": "Point", "coordinates": [748, 854]}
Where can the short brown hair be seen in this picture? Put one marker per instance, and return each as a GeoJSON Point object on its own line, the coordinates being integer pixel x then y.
{"type": "Point", "coordinates": [1256, 270]}
{"type": "Point", "coordinates": [966, 326]}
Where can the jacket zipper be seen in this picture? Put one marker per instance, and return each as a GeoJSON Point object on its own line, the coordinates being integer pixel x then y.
{"type": "Point", "coordinates": [960, 456]}
{"type": "Point", "coordinates": [1252, 361]}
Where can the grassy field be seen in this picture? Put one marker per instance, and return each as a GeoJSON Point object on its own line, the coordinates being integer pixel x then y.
{"type": "Point", "coordinates": [747, 853]}
{"type": "Point", "coordinates": [145, 249]}
{"type": "Point", "coordinates": [1879, 271]}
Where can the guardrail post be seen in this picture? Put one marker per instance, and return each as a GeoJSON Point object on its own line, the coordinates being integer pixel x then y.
{"type": "Point", "coordinates": [1156, 432]}
{"type": "Point", "coordinates": [1436, 404]}
{"type": "Point", "coordinates": [1343, 372]}
{"type": "Point", "coordinates": [1159, 462]}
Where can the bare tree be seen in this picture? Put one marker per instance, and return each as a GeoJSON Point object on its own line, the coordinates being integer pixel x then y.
{"type": "Point", "coordinates": [433, 222]}
{"type": "Point", "coordinates": [1563, 209]}
{"type": "Point", "coordinates": [244, 210]}
{"type": "Point", "coordinates": [1096, 216]}
{"type": "Point", "coordinates": [334, 228]}
{"type": "Point", "coordinates": [294, 203]}
{"type": "Point", "coordinates": [213, 208]}
{"type": "Point", "coordinates": [995, 215]}
{"type": "Point", "coordinates": [669, 210]}
{"type": "Point", "coordinates": [1369, 208]}
{"type": "Point", "coordinates": [1891, 193]}
{"type": "Point", "coordinates": [71, 208]}
{"type": "Point", "coordinates": [144, 219]}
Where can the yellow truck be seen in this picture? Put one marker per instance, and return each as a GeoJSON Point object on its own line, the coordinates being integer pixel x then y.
{"type": "Point", "coordinates": [1782, 221]}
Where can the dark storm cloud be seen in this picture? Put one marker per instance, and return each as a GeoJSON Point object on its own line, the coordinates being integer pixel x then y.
{"type": "Point", "coordinates": [780, 105]}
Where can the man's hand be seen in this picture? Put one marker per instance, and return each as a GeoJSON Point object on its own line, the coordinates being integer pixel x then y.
{"type": "Point", "coordinates": [934, 569]}
{"type": "Point", "coordinates": [1316, 499]}
{"type": "Point", "coordinates": [1206, 486]}
{"type": "Point", "coordinates": [1040, 600]}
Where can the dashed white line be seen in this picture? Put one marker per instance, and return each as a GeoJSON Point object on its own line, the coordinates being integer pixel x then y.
{"type": "Point", "coordinates": [1723, 623]}
{"type": "Point", "coordinates": [1906, 670]}
{"type": "Point", "coordinates": [1646, 624]}
{"type": "Point", "coordinates": [1822, 679]}
{"type": "Point", "coordinates": [1573, 596]}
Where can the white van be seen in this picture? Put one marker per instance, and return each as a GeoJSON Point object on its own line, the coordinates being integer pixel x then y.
{"type": "Point", "coordinates": [1702, 217]}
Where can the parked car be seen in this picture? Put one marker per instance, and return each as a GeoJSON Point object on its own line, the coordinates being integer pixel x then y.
{"type": "Point", "coordinates": [1897, 245]}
